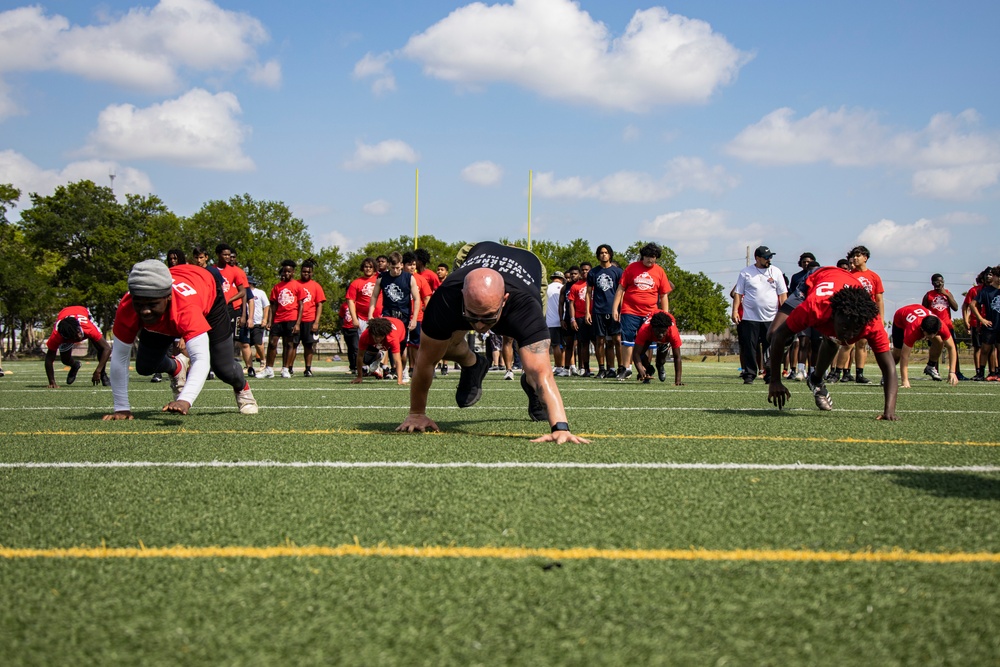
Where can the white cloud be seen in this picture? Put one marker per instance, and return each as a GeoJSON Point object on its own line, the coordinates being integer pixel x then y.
{"type": "Point", "coordinates": [951, 159]}
{"type": "Point", "coordinates": [28, 177]}
{"type": "Point", "coordinates": [335, 238]}
{"type": "Point", "coordinates": [557, 50]}
{"type": "Point", "coordinates": [382, 153]}
{"type": "Point", "coordinates": [695, 231]}
{"type": "Point", "coordinates": [376, 66]}
{"type": "Point", "coordinates": [889, 239]}
{"type": "Point", "coordinates": [198, 129]}
{"type": "Point", "coordinates": [630, 133]}
{"type": "Point", "coordinates": [682, 173]}
{"type": "Point", "coordinates": [377, 207]}
{"type": "Point", "coordinates": [483, 173]}
{"type": "Point", "coordinates": [268, 74]}
{"type": "Point", "coordinates": [144, 49]}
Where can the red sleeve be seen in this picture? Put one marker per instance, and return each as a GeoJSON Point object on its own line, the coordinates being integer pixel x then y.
{"type": "Point", "coordinates": [365, 341]}
{"type": "Point", "coordinates": [674, 338]}
{"type": "Point", "coordinates": [664, 287]}
{"type": "Point", "coordinates": [320, 295]}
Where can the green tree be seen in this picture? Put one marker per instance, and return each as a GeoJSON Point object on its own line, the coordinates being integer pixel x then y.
{"type": "Point", "coordinates": [556, 257]}
{"type": "Point", "coordinates": [262, 232]}
{"type": "Point", "coordinates": [97, 238]}
{"type": "Point", "coordinates": [697, 301]}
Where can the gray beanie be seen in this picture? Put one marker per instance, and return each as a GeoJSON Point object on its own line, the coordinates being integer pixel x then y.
{"type": "Point", "coordinates": [150, 278]}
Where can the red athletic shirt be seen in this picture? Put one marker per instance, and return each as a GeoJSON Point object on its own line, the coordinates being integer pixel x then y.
{"type": "Point", "coordinates": [425, 293]}
{"type": "Point", "coordinates": [577, 295]}
{"type": "Point", "coordinates": [392, 343]}
{"type": "Point", "coordinates": [83, 316]}
{"type": "Point", "coordinates": [431, 278]}
{"type": "Point", "coordinates": [815, 310]}
{"type": "Point", "coordinates": [285, 299]}
{"type": "Point", "coordinates": [645, 335]}
{"type": "Point", "coordinates": [233, 278]}
{"type": "Point", "coordinates": [969, 297]}
{"type": "Point", "coordinates": [909, 319]}
{"type": "Point", "coordinates": [643, 288]}
{"type": "Point", "coordinates": [360, 291]}
{"type": "Point", "coordinates": [345, 317]}
{"type": "Point", "coordinates": [194, 293]}
{"type": "Point", "coordinates": [312, 293]}
{"type": "Point", "coordinates": [939, 306]}
{"type": "Point", "coordinates": [870, 281]}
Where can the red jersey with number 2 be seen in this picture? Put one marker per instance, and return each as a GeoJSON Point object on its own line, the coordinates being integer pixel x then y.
{"type": "Point", "coordinates": [815, 310]}
{"type": "Point", "coordinates": [192, 298]}
{"type": "Point", "coordinates": [83, 317]}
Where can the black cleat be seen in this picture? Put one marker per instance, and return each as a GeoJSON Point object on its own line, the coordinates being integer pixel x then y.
{"type": "Point", "coordinates": [105, 380]}
{"type": "Point", "coordinates": [470, 384]}
{"type": "Point", "coordinates": [73, 370]}
{"type": "Point", "coordinates": [536, 408]}
{"type": "Point", "coordinates": [156, 378]}
{"type": "Point", "coordinates": [661, 373]}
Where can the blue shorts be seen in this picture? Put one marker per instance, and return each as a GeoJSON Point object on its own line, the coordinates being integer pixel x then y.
{"type": "Point", "coordinates": [630, 327]}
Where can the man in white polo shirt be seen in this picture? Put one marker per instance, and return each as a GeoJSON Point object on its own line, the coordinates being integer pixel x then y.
{"type": "Point", "coordinates": [760, 290]}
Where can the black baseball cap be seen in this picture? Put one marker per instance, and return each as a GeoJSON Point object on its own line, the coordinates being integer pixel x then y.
{"type": "Point", "coordinates": [763, 251]}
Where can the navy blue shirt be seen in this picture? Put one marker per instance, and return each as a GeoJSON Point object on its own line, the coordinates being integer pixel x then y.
{"type": "Point", "coordinates": [988, 301]}
{"type": "Point", "coordinates": [605, 284]}
{"type": "Point", "coordinates": [396, 295]}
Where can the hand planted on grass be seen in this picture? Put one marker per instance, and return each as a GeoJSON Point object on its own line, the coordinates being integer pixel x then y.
{"type": "Point", "coordinates": [417, 424]}
{"type": "Point", "coordinates": [778, 394]}
{"type": "Point", "coordinates": [118, 416]}
{"type": "Point", "coordinates": [887, 418]}
{"type": "Point", "coordinates": [562, 437]}
{"type": "Point", "coordinates": [180, 407]}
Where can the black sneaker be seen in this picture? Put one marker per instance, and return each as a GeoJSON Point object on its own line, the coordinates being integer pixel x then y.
{"type": "Point", "coordinates": [661, 373]}
{"type": "Point", "coordinates": [832, 377]}
{"type": "Point", "coordinates": [251, 373]}
{"type": "Point", "coordinates": [73, 370]}
{"type": "Point", "coordinates": [105, 380]}
{"type": "Point", "coordinates": [156, 378]}
{"type": "Point", "coordinates": [819, 391]}
{"type": "Point", "coordinates": [1, 372]}
{"type": "Point", "coordinates": [847, 377]}
{"type": "Point", "coordinates": [470, 384]}
{"type": "Point", "coordinates": [861, 379]}
{"type": "Point", "coordinates": [307, 373]}
{"type": "Point", "coordinates": [624, 373]}
{"type": "Point", "coordinates": [536, 408]}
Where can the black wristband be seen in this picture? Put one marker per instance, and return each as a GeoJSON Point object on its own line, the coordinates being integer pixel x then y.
{"type": "Point", "coordinates": [560, 426]}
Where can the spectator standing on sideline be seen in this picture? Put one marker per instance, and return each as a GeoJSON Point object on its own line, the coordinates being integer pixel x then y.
{"type": "Point", "coordinates": [234, 284]}
{"type": "Point", "coordinates": [163, 304]}
{"type": "Point", "coordinates": [858, 257]}
{"type": "Point", "coordinates": [566, 316]}
{"type": "Point", "coordinates": [252, 335]}
{"type": "Point", "coordinates": [74, 324]}
{"type": "Point", "coordinates": [602, 283]}
{"type": "Point", "coordinates": [554, 322]}
{"type": "Point", "coordinates": [577, 296]}
{"type": "Point", "coordinates": [349, 332]}
{"type": "Point", "coordinates": [313, 298]}
{"type": "Point", "coordinates": [986, 308]}
{"type": "Point", "coordinates": [284, 320]}
{"type": "Point", "coordinates": [497, 288]}
{"type": "Point", "coordinates": [972, 324]}
{"type": "Point", "coordinates": [400, 293]}
{"type": "Point", "coordinates": [360, 292]}
{"type": "Point", "coordinates": [643, 288]}
{"type": "Point", "coordinates": [760, 290]}
{"type": "Point", "coordinates": [442, 271]}
{"type": "Point", "coordinates": [940, 302]}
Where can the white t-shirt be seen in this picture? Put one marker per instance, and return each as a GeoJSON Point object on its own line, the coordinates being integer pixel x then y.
{"type": "Point", "coordinates": [552, 303]}
{"type": "Point", "coordinates": [760, 289]}
{"type": "Point", "coordinates": [260, 301]}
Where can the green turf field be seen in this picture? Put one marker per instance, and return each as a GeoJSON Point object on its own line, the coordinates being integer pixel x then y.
{"type": "Point", "coordinates": [700, 526]}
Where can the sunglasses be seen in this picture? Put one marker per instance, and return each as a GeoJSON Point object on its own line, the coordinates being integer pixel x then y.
{"type": "Point", "coordinates": [492, 318]}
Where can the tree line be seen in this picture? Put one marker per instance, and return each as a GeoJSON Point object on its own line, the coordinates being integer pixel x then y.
{"type": "Point", "coordinates": [76, 246]}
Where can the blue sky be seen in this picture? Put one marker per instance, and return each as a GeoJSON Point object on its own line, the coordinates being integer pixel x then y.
{"type": "Point", "coordinates": [707, 126]}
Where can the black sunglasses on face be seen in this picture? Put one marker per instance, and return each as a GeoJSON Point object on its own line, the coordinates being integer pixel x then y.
{"type": "Point", "coordinates": [492, 318]}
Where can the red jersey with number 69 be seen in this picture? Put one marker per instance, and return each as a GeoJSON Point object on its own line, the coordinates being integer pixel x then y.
{"type": "Point", "coordinates": [815, 310]}
{"type": "Point", "coordinates": [194, 293]}
{"type": "Point", "coordinates": [909, 319]}
{"type": "Point", "coordinates": [83, 316]}
{"type": "Point", "coordinates": [392, 343]}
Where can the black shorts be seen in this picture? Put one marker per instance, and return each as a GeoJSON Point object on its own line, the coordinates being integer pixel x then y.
{"type": "Point", "coordinates": [555, 337]}
{"type": "Point", "coordinates": [583, 331]}
{"type": "Point", "coordinates": [974, 334]}
{"type": "Point", "coordinates": [897, 337]}
{"type": "Point", "coordinates": [605, 326]}
{"type": "Point", "coordinates": [987, 336]}
{"type": "Point", "coordinates": [252, 335]}
{"type": "Point", "coordinates": [306, 333]}
{"type": "Point", "coordinates": [283, 330]}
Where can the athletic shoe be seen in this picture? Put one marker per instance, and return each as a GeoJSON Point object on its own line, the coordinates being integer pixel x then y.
{"type": "Point", "coordinates": [962, 378]}
{"type": "Point", "coordinates": [406, 375]}
{"type": "Point", "coordinates": [267, 373]}
{"type": "Point", "coordinates": [245, 401]}
{"type": "Point", "coordinates": [470, 384]}
{"type": "Point", "coordinates": [251, 373]}
{"type": "Point", "coordinates": [285, 373]}
{"type": "Point", "coordinates": [1, 372]}
{"type": "Point", "coordinates": [978, 377]}
{"type": "Point", "coordinates": [993, 377]}
{"type": "Point", "coordinates": [444, 369]}
{"type": "Point", "coordinates": [847, 377]}
{"type": "Point", "coordinates": [572, 370]}
{"type": "Point", "coordinates": [105, 380]}
{"type": "Point", "coordinates": [933, 372]}
{"type": "Point", "coordinates": [819, 391]}
{"type": "Point", "coordinates": [211, 375]}
{"type": "Point", "coordinates": [661, 373]}
{"type": "Point", "coordinates": [558, 372]}
{"type": "Point", "coordinates": [832, 377]}
{"type": "Point", "coordinates": [799, 376]}
{"type": "Point", "coordinates": [73, 370]}
{"type": "Point", "coordinates": [156, 378]}
{"type": "Point", "coordinates": [307, 373]}
{"type": "Point", "coordinates": [178, 381]}
{"type": "Point", "coordinates": [748, 379]}
{"type": "Point", "coordinates": [624, 373]}
{"type": "Point", "coordinates": [493, 369]}
{"type": "Point", "coordinates": [509, 375]}
{"type": "Point", "coordinates": [536, 408]}
{"type": "Point", "coordinates": [861, 379]}
{"type": "Point", "coordinates": [586, 374]}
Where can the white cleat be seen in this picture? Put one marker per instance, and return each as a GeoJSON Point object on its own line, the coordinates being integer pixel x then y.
{"type": "Point", "coordinates": [178, 381]}
{"type": "Point", "coordinates": [245, 401]}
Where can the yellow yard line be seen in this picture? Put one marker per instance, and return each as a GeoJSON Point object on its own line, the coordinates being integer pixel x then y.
{"type": "Point", "coordinates": [502, 553]}
{"type": "Point", "coordinates": [596, 436]}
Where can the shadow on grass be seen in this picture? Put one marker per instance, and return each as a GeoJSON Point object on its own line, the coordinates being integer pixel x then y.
{"type": "Point", "coordinates": [459, 427]}
{"type": "Point", "coordinates": [153, 417]}
{"type": "Point", "coordinates": [950, 484]}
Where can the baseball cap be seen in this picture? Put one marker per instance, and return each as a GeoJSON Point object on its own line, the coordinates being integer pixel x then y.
{"type": "Point", "coordinates": [559, 274]}
{"type": "Point", "coordinates": [763, 251]}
